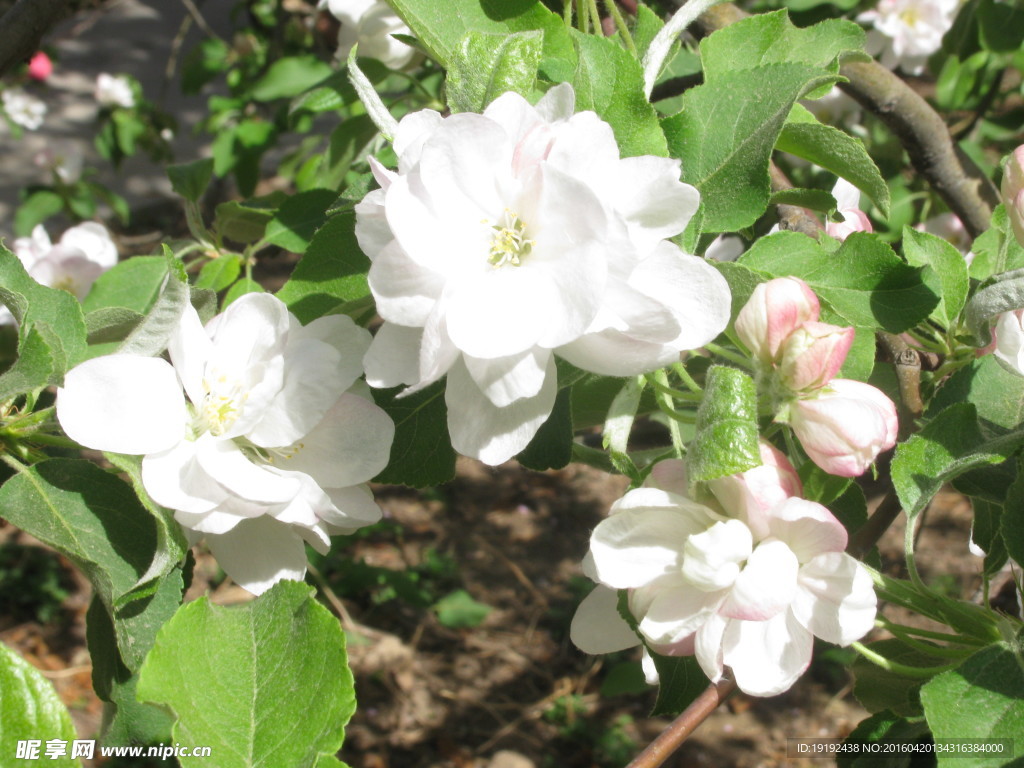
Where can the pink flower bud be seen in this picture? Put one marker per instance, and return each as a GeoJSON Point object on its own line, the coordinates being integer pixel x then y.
{"type": "Point", "coordinates": [845, 426]}
{"type": "Point", "coordinates": [848, 204]}
{"type": "Point", "coordinates": [775, 309]}
{"type": "Point", "coordinates": [813, 354]}
{"type": "Point", "coordinates": [1013, 192]}
{"type": "Point", "coordinates": [40, 67]}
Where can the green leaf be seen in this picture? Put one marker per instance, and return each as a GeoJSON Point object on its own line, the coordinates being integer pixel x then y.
{"type": "Point", "coordinates": [980, 699]}
{"type": "Point", "coordinates": [441, 27]}
{"type": "Point", "coordinates": [218, 274]}
{"type": "Point", "coordinates": [31, 709]}
{"type": "Point", "coordinates": [881, 729]}
{"type": "Point", "coordinates": [949, 445]}
{"type": "Point", "coordinates": [551, 447]}
{"type": "Point", "coordinates": [1011, 523]}
{"type": "Point", "coordinates": [243, 222]}
{"type": "Point", "coordinates": [922, 249]}
{"type": "Point", "coordinates": [619, 425]}
{"type": "Point", "coordinates": [55, 315]}
{"type": "Point", "coordinates": [865, 282]}
{"type": "Point", "coordinates": [132, 284]}
{"type": "Point", "coordinates": [835, 151]}
{"type": "Point", "coordinates": [878, 689]}
{"type": "Point", "coordinates": [32, 369]}
{"type": "Point", "coordinates": [730, 167]}
{"type": "Point", "coordinates": [986, 529]}
{"type": "Point", "coordinates": [332, 271]}
{"type": "Point", "coordinates": [727, 433]}
{"type": "Point", "coordinates": [241, 680]}
{"type": "Point", "coordinates": [814, 199]}
{"type": "Point", "coordinates": [111, 324]}
{"type": "Point", "coordinates": [459, 610]}
{"type": "Point", "coordinates": [421, 453]}
{"type": "Point", "coordinates": [488, 65]}
{"type": "Point", "coordinates": [95, 520]}
{"type": "Point", "coordinates": [997, 394]}
{"type": "Point", "coordinates": [347, 142]}
{"type": "Point", "coordinates": [610, 81]}
{"type": "Point", "coordinates": [1004, 295]}
{"type": "Point", "coordinates": [771, 38]}
{"type": "Point", "coordinates": [203, 63]}
{"type": "Point", "coordinates": [240, 289]}
{"type": "Point", "coordinates": [996, 250]}
{"type": "Point", "coordinates": [1001, 26]}
{"type": "Point", "coordinates": [680, 681]}
{"type": "Point", "coordinates": [37, 208]}
{"type": "Point", "coordinates": [190, 180]}
{"type": "Point", "coordinates": [150, 336]}
{"type": "Point", "coordinates": [298, 219]}
{"type": "Point", "coordinates": [290, 76]}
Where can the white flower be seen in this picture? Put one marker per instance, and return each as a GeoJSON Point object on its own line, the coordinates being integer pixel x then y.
{"type": "Point", "coordinates": [848, 206]}
{"type": "Point", "coordinates": [506, 237]}
{"type": "Point", "coordinates": [1009, 339]}
{"type": "Point", "coordinates": [62, 157]}
{"type": "Point", "coordinates": [23, 109]}
{"type": "Point", "coordinates": [907, 32]}
{"type": "Point", "coordinates": [371, 24]}
{"type": "Point", "coordinates": [270, 450]}
{"type": "Point", "coordinates": [83, 253]}
{"type": "Point", "coordinates": [114, 91]}
{"type": "Point", "coordinates": [748, 589]}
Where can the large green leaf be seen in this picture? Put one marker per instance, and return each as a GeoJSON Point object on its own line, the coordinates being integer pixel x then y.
{"type": "Point", "coordinates": [332, 271]}
{"type": "Point", "coordinates": [924, 250]}
{"type": "Point", "coordinates": [865, 282]}
{"type": "Point", "coordinates": [31, 710]}
{"type": "Point", "coordinates": [31, 370]}
{"type": "Point", "coordinates": [835, 151]}
{"type": "Point", "coordinates": [980, 699]}
{"type": "Point", "coordinates": [132, 284]}
{"type": "Point", "coordinates": [488, 65]}
{"type": "Point", "coordinates": [151, 335]}
{"type": "Point", "coordinates": [421, 453]}
{"type": "Point", "coordinates": [997, 394]}
{"type": "Point", "coordinates": [551, 447]}
{"type": "Point", "coordinates": [725, 133]}
{"type": "Point", "coordinates": [726, 440]}
{"type": "Point", "coordinates": [263, 684]}
{"type": "Point", "coordinates": [299, 217]}
{"type": "Point", "coordinates": [441, 27]}
{"type": "Point", "coordinates": [610, 81]}
{"type": "Point", "coordinates": [97, 521]}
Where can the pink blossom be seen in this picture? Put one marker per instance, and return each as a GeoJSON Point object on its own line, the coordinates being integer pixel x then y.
{"type": "Point", "coordinates": [775, 309]}
{"type": "Point", "coordinates": [813, 354]}
{"type": "Point", "coordinates": [40, 67]}
{"type": "Point", "coordinates": [1013, 192]}
{"type": "Point", "coordinates": [844, 426]}
{"type": "Point", "coordinates": [848, 205]}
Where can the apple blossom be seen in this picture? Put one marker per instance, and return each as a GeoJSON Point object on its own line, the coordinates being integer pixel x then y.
{"type": "Point", "coordinates": [1012, 190]}
{"type": "Point", "coordinates": [844, 425]}
{"type": "Point", "coordinates": [507, 237]}
{"type": "Point", "coordinates": [1009, 339]}
{"type": "Point", "coordinates": [23, 109]}
{"type": "Point", "coordinates": [82, 254]}
{"type": "Point", "coordinates": [848, 206]}
{"type": "Point", "coordinates": [812, 355]}
{"type": "Point", "coordinates": [774, 310]}
{"type": "Point", "coordinates": [269, 447]}
{"type": "Point", "coordinates": [372, 25]}
{"type": "Point", "coordinates": [62, 157]}
{"type": "Point", "coordinates": [906, 32]}
{"type": "Point", "coordinates": [39, 66]}
{"type": "Point", "coordinates": [114, 91]}
{"type": "Point", "coordinates": [745, 580]}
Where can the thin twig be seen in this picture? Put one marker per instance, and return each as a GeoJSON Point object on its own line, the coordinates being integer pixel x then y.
{"type": "Point", "coordinates": [193, 11]}
{"type": "Point", "coordinates": [662, 748]}
{"type": "Point", "coordinates": [869, 533]}
{"type": "Point", "coordinates": [907, 362]}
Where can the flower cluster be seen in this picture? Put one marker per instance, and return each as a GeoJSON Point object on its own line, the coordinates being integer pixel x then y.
{"type": "Point", "coordinates": [22, 108]}
{"type": "Point", "coordinates": [842, 424]}
{"type": "Point", "coordinates": [270, 450]}
{"type": "Point", "coordinates": [372, 25]}
{"type": "Point", "coordinates": [743, 578]}
{"type": "Point", "coordinates": [507, 237]}
{"type": "Point", "coordinates": [82, 254]}
{"type": "Point", "coordinates": [906, 32]}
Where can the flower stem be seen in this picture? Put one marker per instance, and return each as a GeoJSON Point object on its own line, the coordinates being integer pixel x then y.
{"type": "Point", "coordinates": [904, 670]}
{"type": "Point", "coordinates": [932, 650]}
{"type": "Point", "coordinates": [728, 354]}
{"type": "Point", "coordinates": [677, 394]}
{"type": "Point", "coordinates": [680, 370]}
{"type": "Point", "coordinates": [620, 24]}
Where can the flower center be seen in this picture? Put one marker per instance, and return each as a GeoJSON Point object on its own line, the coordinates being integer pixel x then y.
{"type": "Point", "coordinates": [221, 406]}
{"type": "Point", "coordinates": [509, 244]}
{"type": "Point", "coordinates": [910, 16]}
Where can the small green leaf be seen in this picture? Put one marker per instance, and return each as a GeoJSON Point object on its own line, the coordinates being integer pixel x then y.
{"type": "Point", "coordinates": [332, 271]}
{"type": "Point", "coordinates": [878, 689]}
{"type": "Point", "coordinates": [241, 679]}
{"type": "Point", "coordinates": [31, 709]}
{"type": "Point", "coordinates": [132, 284]}
{"type": "Point", "coordinates": [151, 335]}
{"type": "Point", "coordinates": [190, 180]}
{"type": "Point", "coordinates": [290, 76]}
{"type": "Point", "coordinates": [37, 208]}
{"type": "Point", "coordinates": [241, 223]}
{"type": "Point", "coordinates": [32, 369]}
{"type": "Point", "coordinates": [980, 699]}
{"type": "Point", "coordinates": [727, 432]}
{"type": "Point", "coordinates": [1011, 524]}
{"type": "Point", "coordinates": [299, 217]}
{"type": "Point", "coordinates": [240, 289]}
{"type": "Point", "coordinates": [1004, 295]}
{"type": "Point", "coordinates": [996, 250]}
{"type": "Point", "coordinates": [814, 199]}
{"type": "Point", "coordinates": [551, 447]}
{"type": "Point", "coordinates": [488, 65]}
{"type": "Point", "coordinates": [218, 274]}
{"type": "Point", "coordinates": [459, 610]}
{"type": "Point", "coordinates": [421, 453]}
{"type": "Point", "coordinates": [922, 249]}
{"type": "Point", "coordinates": [997, 394]}
{"type": "Point", "coordinates": [680, 681]}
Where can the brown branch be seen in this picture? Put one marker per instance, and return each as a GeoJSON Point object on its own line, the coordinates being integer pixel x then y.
{"type": "Point", "coordinates": [869, 533]}
{"type": "Point", "coordinates": [661, 749]}
{"type": "Point", "coordinates": [920, 129]}
{"type": "Point", "coordinates": [907, 362]}
{"type": "Point", "coordinates": [791, 216]}
{"type": "Point", "coordinates": [23, 26]}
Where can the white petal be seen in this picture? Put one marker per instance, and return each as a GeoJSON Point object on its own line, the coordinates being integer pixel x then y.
{"type": "Point", "coordinates": [613, 353]}
{"type": "Point", "coordinates": [226, 464]}
{"type": "Point", "coordinates": [767, 584]}
{"type": "Point", "coordinates": [807, 527]}
{"type": "Point", "coordinates": [635, 546]}
{"type": "Point", "coordinates": [708, 646]}
{"type": "Point", "coordinates": [674, 614]}
{"type": "Point", "coordinates": [557, 104]}
{"type": "Point", "coordinates": [507, 379]}
{"type": "Point", "coordinates": [655, 203]}
{"type": "Point", "coordinates": [189, 348]}
{"type": "Point", "coordinates": [597, 626]}
{"type": "Point", "coordinates": [835, 599]}
{"type": "Point", "coordinates": [216, 521]}
{"type": "Point", "coordinates": [713, 558]}
{"type": "Point", "coordinates": [259, 553]}
{"type": "Point", "coordinates": [480, 429]}
{"type": "Point", "coordinates": [349, 446]}
{"type": "Point", "coordinates": [405, 291]}
{"type": "Point", "coordinates": [175, 479]}
{"type": "Point", "coordinates": [372, 230]}
{"type": "Point", "coordinates": [393, 357]}
{"type": "Point", "coordinates": [94, 241]}
{"type": "Point", "coordinates": [123, 403]}
{"type": "Point", "coordinates": [354, 508]}
{"type": "Point", "coordinates": [767, 657]}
